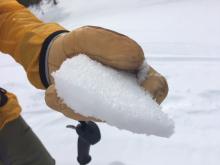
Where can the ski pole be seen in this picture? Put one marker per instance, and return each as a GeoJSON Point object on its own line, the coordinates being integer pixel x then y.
{"type": "Point", "coordinates": [89, 134]}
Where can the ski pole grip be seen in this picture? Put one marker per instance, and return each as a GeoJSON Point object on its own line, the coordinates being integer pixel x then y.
{"type": "Point", "coordinates": [89, 134]}
{"type": "Point", "coordinates": [83, 151]}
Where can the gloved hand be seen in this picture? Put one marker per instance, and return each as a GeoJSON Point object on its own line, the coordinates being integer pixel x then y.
{"type": "Point", "coordinates": [108, 47]}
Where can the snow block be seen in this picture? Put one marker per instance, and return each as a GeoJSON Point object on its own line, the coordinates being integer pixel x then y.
{"type": "Point", "coordinates": [93, 89]}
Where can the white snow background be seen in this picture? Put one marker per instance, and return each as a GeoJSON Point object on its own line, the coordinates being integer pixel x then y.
{"type": "Point", "coordinates": [181, 39]}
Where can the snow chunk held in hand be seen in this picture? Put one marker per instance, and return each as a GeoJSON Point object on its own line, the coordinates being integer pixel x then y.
{"type": "Point", "coordinates": [93, 89]}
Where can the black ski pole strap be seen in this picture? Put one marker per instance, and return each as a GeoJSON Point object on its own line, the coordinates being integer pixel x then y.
{"type": "Point", "coordinates": [3, 97]}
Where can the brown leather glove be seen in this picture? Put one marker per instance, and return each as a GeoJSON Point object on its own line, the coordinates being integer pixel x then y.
{"type": "Point", "coordinates": [156, 85]}
{"type": "Point", "coordinates": [103, 45]}
{"type": "Point", "coordinates": [108, 47]}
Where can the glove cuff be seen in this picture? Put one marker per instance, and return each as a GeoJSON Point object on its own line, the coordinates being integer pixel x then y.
{"type": "Point", "coordinates": [43, 66]}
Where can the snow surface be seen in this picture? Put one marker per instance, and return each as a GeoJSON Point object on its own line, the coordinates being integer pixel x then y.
{"type": "Point", "coordinates": [95, 90]}
{"type": "Point", "coordinates": [181, 40]}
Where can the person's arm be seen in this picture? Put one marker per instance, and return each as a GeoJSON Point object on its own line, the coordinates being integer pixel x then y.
{"type": "Point", "coordinates": [9, 107]}
{"type": "Point", "coordinates": [22, 36]}
{"type": "Point", "coordinates": [15, 134]}
{"type": "Point", "coordinates": [40, 49]}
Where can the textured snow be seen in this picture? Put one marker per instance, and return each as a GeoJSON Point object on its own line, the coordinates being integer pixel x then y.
{"type": "Point", "coordinates": [93, 89]}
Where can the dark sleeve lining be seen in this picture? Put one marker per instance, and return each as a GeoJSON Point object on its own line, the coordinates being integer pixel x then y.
{"type": "Point", "coordinates": [42, 60]}
{"type": "Point", "coordinates": [3, 97]}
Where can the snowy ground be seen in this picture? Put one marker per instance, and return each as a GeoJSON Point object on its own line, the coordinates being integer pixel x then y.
{"type": "Point", "coordinates": [181, 39]}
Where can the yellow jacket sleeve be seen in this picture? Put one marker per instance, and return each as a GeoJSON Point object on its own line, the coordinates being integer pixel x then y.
{"type": "Point", "coordinates": [23, 36]}
{"type": "Point", "coordinates": [10, 110]}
